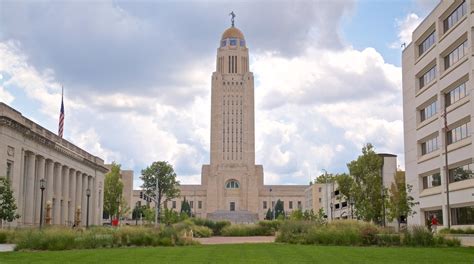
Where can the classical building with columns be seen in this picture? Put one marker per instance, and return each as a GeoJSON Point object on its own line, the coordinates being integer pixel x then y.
{"type": "Point", "coordinates": [29, 153]}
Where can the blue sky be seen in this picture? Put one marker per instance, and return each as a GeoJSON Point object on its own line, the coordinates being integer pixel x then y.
{"type": "Point", "coordinates": [137, 77]}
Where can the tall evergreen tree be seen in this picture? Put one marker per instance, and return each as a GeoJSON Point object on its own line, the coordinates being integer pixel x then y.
{"type": "Point", "coordinates": [7, 202]}
{"type": "Point", "coordinates": [185, 207]}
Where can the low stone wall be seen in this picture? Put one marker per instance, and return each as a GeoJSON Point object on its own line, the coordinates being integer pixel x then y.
{"type": "Point", "coordinates": [467, 240]}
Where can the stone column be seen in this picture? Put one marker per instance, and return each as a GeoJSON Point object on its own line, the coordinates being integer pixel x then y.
{"type": "Point", "coordinates": [79, 191]}
{"type": "Point", "coordinates": [49, 181]}
{"type": "Point", "coordinates": [41, 175]}
{"type": "Point", "coordinates": [93, 205]}
{"type": "Point", "coordinates": [84, 198]}
{"type": "Point", "coordinates": [57, 194]}
{"type": "Point", "coordinates": [29, 190]}
{"type": "Point", "coordinates": [65, 191]}
{"type": "Point", "coordinates": [72, 194]}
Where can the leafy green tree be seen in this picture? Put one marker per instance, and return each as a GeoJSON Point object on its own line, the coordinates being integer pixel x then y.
{"type": "Point", "coordinates": [297, 215]}
{"type": "Point", "coordinates": [113, 187]}
{"type": "Point", "coordinates": [160, 174]}
{"type": "Point", "coordinates": [368, 191]}
{"type": "Point", "coordinates": [7, 202]}
{"type": "Point", "coordinates": [149, 214]}
{"type": "Point", "coordinates": [185, 207]}
{"type": "Point", "coordinates": [138, 212]}
{"type": "Point", "coordinates": [279, 209]}
{"type": "Point", "coordinates": [345, 185]}
{"type": "Point", "coordinates": [325, 178]}
{"type": "Point", "coordinates": [400, 204]}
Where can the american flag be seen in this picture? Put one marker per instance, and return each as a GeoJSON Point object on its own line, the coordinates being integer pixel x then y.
{"type": "Point", "coordinates": [61, 116]}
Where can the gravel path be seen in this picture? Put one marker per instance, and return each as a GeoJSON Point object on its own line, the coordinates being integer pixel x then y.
{"type": "Point", "coordinates": [235, 240]}
{"type": "Point", "coordinates": [7, 247]}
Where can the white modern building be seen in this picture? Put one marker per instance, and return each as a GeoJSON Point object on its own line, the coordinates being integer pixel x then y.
{"type": "Point", "coordinates": [73, 177]}
{"type": "Point", "coordinates": [437, 79]}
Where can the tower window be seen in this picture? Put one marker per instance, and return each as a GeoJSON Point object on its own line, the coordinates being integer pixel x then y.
{"type": "Point", "coordinates": [242, 43]}
{"type": "Point", "coordinates": [232, 184]}
{"type": "Point", "coordinates": [233, 42]}
{"type": "Point", "coordinates": [223, 43]}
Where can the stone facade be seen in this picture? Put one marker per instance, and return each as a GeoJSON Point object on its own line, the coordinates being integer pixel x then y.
{"type": "Point", "coordinates": [28, 153]}
{"type": "Point", "coordinates": [437, 73]}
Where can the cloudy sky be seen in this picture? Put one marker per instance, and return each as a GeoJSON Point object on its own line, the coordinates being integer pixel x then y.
{"type": "Point", "coordinates": [137, 77]}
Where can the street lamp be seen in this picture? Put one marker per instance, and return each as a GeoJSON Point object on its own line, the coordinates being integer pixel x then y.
{"type": "Point", "coordinates": [42, 183]}
{"type": "Point", "coordinates": [351, 201]}
{"type": "Point", "coordinates": [326, 183]}
{"type": "Point", "coordinates": [273, 205]}
{"type": "Point", "coordinates": [331, 211]}
{"type": "Point", "coordinates": [88, 194]}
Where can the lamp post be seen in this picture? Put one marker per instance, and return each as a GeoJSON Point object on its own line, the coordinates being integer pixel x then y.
{"type": "Point", "coordinates": [351, 201]}
{"type": "Point", "coordinates": [326, 183]}
{"type": "Point", "coordinates": [331, 211]}
{"type": "Point", "coordinates": [273, 205]}
{"type": "Point", "coordinates": [88, 194]}
{"type": "Point", "coordinates": [42, 187]}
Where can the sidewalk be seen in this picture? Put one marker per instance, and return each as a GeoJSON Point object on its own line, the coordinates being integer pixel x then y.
{"type": "Point", "coordinates": [7, 247]}
{"type": "Point", "coordinates": [235, 240]}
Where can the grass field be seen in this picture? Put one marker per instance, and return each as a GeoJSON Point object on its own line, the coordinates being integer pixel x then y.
{"type": "Point", "coordinates": [247, 253]}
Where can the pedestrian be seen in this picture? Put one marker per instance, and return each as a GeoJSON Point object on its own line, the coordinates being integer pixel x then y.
{"type": "Point", "coordinates": [434, 224]}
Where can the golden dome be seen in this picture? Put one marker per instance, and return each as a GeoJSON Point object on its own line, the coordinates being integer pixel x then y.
{"type": "Point", "coordinates": [232, 32]}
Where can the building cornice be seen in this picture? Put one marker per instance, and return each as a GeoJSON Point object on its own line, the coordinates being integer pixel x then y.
{"type": "Point", "coordinates": [29, 133]}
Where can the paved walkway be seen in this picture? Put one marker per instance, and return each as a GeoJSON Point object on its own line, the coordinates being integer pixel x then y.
{"type": "Point", "coordinates": [235, 240]}
{"type": "Point", "coordinates": [7, 247]}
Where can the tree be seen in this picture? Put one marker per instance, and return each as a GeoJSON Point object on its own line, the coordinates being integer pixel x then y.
{"type": "Point", "coordinates": [400, 204]}
{"type": "Point", "coordinates": [369, 194]}
{"type": "Point", "coordinates": [279, 210]}
{"type": "Point", "coordinates": [160, 174]}
{"type": "Point", "coordinates": [269, 215]}
{"type": "Point", "coordinates": [113, 188]}
{"type": "Point", "coordinates": [345, 185]}
{"type": "Point", "coordinates": [185, 207]}
{"type": "Point", "coordinates": [7, 202]}
{"type": "Point", "coordinates": [325, 178]}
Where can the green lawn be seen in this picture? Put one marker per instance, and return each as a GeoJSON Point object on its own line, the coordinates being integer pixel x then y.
{"type": "Point", "coordinates": [248, 253]}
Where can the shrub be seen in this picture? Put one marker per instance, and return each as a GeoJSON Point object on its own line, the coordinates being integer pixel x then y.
{"type": "Point", "coordinates": [457, 231]}
{"type": "Point", "coordinates": [247, 230]}
{"type": "Point", "coordinates": [293, 231]}
{"type": "Point", "coordinates": [202, 231]}
{"type": "Point", "coordinates": [388, 240]}
{"type": "Point", "coordinates": [215, 226]}
{"type": "Point", "coordinates": [418, 236]}
{"type": "Point", "coordinates": [273, 225]}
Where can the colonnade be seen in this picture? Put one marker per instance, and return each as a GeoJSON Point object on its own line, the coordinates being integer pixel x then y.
{"type": "Point", "coordinates": [65, 192]}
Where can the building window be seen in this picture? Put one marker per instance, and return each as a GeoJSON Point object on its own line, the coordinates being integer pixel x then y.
{"type": "Point", "coordinates": [456, 94]}
{"type": "Point", "coordinates": [430, 145]}
{"type": "Point", "coordinates": [9, 170]}
{"type": "Point", "coordinates": [336, 192]}
{"type": "Point", "coordinates": [242, 43]}
{"type": "Point", "coordinates": [461, 173]}
{"type": "Point", "coordinates": [232, 206]}
{"type": "Point", "coordinates": [319, 189]}
{"type": "Point", "coordinates": [428, 77]}
{"type": "Point", "coordinates": [199, 204]}
{"type": "Point", "coordinates": [233, 42]}
{"type": "Point", "coordinates": [426, 44]}
{"type": "Point", "coordinates": [430, 214]}
{"type": "Point", "coordinates": [319, 200]}
{"type": "Point", "coordinates": [344, 204]}
{"type": "Point", "coordinates": [455, 16]}
{"type": "Point", "coordinates": [191, 204]}
{"type": "Point", "coordinates": [264, 204]}
{"type": "Point", "coordinates": [462, 215]}
{"type": "Point", "coordinates": [223, 43]}
{"type": "Point", "coordinates": [432, 181]}
{"type": "Point", "coordinates": [428, 111]}
{"type": "Point", "coordinates": [337, 206]}
{"type": "Point", "coordinates": [299, 205]}
{"type": "Point", "coordinates": [290, 204]}
{"type": "Point", "coordinates": [165, 205]}
{"type": "Point", "coordinates": [232, 184]}
{"type": "Point", "coordinates": [455, 55]}
{"type": "Point", "coordinates": [174, 204]}
{"type": "Point", "coordinates": [459, 133]}
{"type": "Point", "coordinates": [273, 204]}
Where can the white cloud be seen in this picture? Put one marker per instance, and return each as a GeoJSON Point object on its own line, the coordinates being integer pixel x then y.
{"type": "Point", "coordinates": [405, 27]}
